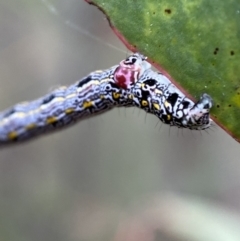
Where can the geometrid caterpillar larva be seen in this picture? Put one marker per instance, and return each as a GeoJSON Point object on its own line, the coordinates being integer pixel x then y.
{"type": "Point", "coordinates": [131, 83]}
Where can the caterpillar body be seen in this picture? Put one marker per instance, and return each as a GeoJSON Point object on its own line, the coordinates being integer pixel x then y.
{"type": "Point", "coordinates": [131, 83]}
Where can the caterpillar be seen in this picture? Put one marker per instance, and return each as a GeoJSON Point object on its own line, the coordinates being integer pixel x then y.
{"type": "Point", "coordinates": [131, 83]}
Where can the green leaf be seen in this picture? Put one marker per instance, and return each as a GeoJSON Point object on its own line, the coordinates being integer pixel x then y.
{"type": "Point", "coordinates": [196, 42]}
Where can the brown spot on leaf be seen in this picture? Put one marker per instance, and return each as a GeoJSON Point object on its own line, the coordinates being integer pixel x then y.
{"type": "Point", "coordinates": [216, 51]}
{"type": "Point", "coordinates": [232, 52]}
{"type": "Point", "coordinates": [168, 11]}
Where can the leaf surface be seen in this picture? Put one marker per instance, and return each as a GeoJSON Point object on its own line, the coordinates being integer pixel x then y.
{"type": "Point", "coordinates": [194, 42]}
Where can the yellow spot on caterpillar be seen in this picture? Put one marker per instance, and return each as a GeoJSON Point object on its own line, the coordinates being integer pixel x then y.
{"type": "Point", "coordinates": [156, 106]}
{"type": "Point", "coordinates": [30, 126]}
{"type": "Point", "coordinates": [104, 80]}
{"type": "Point", "coordinates": [69, 110]}
{"type": "Point", "coordinates": [130, 96]}
{"type": "Point", "coordinates": [51, 120]}
{"type": "Point", "coordinates": [116, 95]}
{"type": "Point", "coordinates": [71, 96]}
{"type": "Point", "coordinates": [144, 103]}
{"type": "Point", "coordinates": [167, 104]}
{"type": "Point", "coordinates": [59, 99]}
{"type": "Point", "coordinates": [19, 114]}
{"type": "Point", "coordinates": [157, 91]}
{"type": "Point", "coordinates": [102, 97]}
{"type": "Point", "coordinates": [87, 104]}
{"type": "Point", "coordinates": [12, 135]}
{"type": "Point", "coordinates": [169, 117]}
{"type": "Point", "coordinates": [98, 71]}
{"type": "Point", "coordinates": [95, 82]}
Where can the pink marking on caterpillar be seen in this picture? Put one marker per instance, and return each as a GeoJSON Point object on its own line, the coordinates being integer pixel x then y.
{"type": "Point", "coordinates": [129, 70]}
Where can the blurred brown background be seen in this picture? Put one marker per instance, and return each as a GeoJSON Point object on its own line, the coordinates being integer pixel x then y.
{"type": "Point", "coordinates": [107, 177]}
